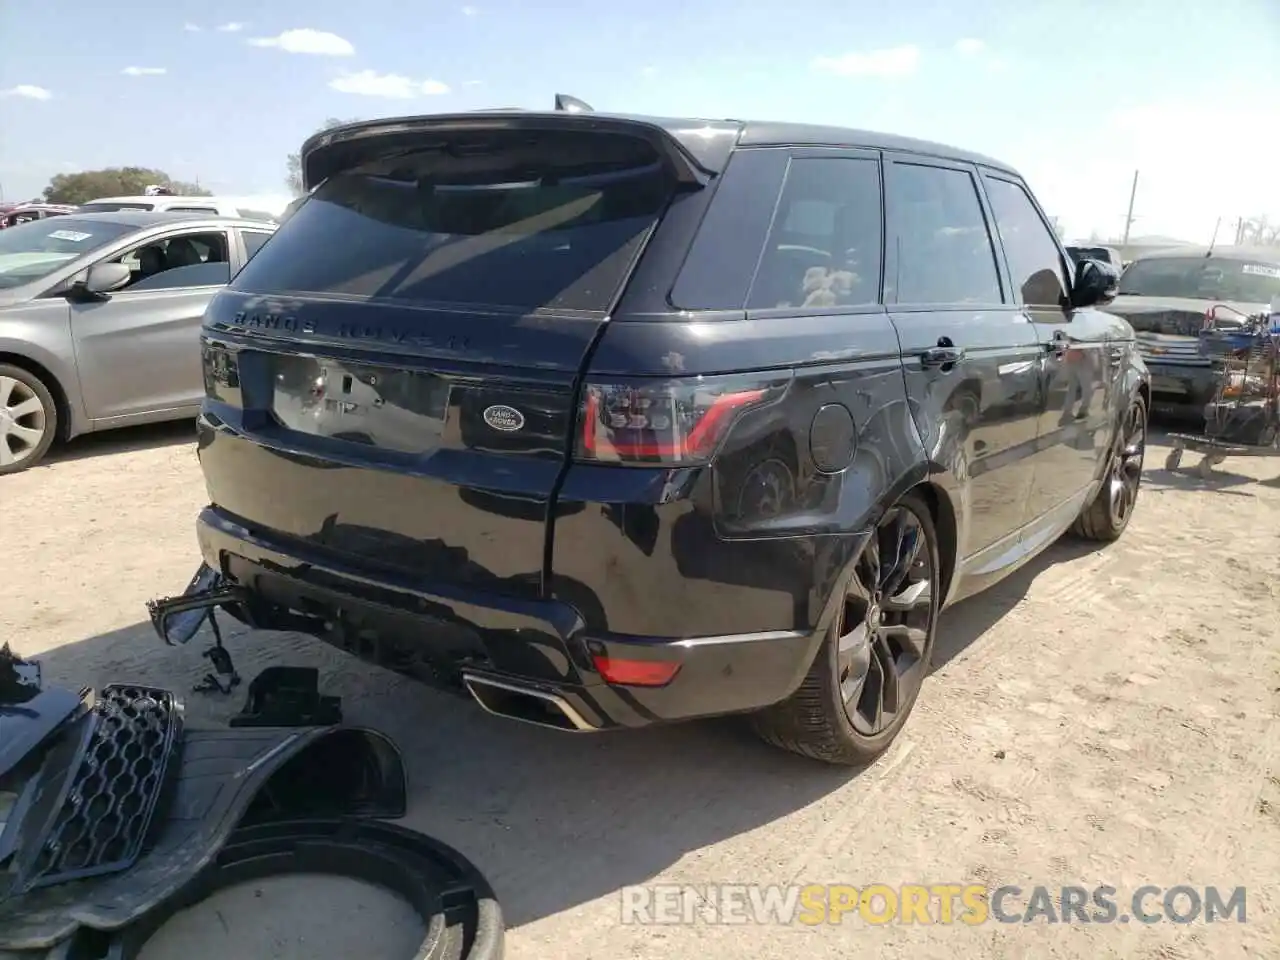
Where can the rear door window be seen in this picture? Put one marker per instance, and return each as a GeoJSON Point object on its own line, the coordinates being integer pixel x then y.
{"type": "Point", "coordinates": [554, 221]}
{"type": "Point", "coordinates": [944, 253]}
{"type": "Point", "coordinates": [253, 241]}
{"type": "Point", "coordinates": [823, 249]}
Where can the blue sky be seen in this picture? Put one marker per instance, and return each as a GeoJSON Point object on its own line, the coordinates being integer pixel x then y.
{"type": "Point", "coordinates": [1076, 95]}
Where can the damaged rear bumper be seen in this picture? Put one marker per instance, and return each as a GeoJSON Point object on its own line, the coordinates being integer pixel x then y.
{"type": "Point", "coordinates": [528, 659]}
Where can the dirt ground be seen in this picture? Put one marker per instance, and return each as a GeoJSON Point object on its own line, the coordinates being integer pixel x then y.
{"type": "Point", "coordinates": [1105, 717]}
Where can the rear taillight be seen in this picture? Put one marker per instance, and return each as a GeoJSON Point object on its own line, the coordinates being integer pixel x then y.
{"type": "Point", "coordinates": [668, 421]}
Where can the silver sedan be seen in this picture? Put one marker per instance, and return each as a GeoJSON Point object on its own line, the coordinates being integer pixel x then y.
{"type": "Point", "coordinates": [100, 319]}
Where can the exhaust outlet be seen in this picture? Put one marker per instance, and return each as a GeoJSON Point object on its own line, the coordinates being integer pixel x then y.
{"type": "Point", "coordinates": [513, 702]}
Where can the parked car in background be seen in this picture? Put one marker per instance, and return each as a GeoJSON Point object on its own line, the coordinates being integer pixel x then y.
{"type": "Point", "coordinates": [613, 421]}
{"type": "Point", "coordinates": [1166, 296]}
{"type": "Point", "coordinates": [27, 212]}
{"type": "Point", "coordinates": [100, 320]}
{"type": "Point", "coordinates": [1108, 255]}
{"type": "Point", "coordinates": [171, 204]}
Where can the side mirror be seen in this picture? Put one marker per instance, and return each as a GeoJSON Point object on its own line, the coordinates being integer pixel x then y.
{"type": "Point", "coordinates": [1095, 284]}
{"type": "Point", "coordinates": [100, 280]}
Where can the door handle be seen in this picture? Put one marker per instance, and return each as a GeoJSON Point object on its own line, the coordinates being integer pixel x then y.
{"type": "Point", "coordinates": [1059, 345]}
{"type": "Point", "coordinates": [943, 355]}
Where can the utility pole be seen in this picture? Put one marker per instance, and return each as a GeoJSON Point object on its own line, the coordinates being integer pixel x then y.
{"type": "Point", "coordinates": [1128, 220]}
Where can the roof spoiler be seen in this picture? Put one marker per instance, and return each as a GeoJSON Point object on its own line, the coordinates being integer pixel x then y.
{"type": "Point", "coordinates": [332, 151]}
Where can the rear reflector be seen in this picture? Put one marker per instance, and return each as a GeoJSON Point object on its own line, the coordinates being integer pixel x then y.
{"type": "Point", "coordinates": [636, 673]}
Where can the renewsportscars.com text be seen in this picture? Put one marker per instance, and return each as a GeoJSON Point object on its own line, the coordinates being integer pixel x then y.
{"type": "Point", "coordinates": [939, 903]}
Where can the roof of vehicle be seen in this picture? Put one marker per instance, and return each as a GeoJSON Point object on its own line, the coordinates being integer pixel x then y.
{"type": "Point", "coordinates": [689, 131]}
{"type": "Point", "coordinates": [759, 133]}
{"type": "Point", "coordinates": [141, 219]}
{"type": "Point", "coordinates": [1220, 252]}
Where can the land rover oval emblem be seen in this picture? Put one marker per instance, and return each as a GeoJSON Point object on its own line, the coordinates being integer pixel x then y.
{"type": "Point", "coordinates": [504, 418]}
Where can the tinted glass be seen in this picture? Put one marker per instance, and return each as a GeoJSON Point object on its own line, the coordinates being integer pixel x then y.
{"type": "Point", "coordinates": [823, 249]}
{"type": "Point", "coordinates": [191, 209]}
{"type": "Point", "coordinates": [151, 264]}
{"type": "Point", "coordinates": [554, 220]}
{"type": "Point", "coordinates": [253, 241]}
{"type": "Point", "coordinates": [1035, 264]}
{"type": "Point", "coordinates": [196, 275]}
{"type": "Point", "coordinates": [1200, 278]}
{"type": "Point", "coordinates": [945, 253]}
{"type": "Point", "coordinates": [35, 249]}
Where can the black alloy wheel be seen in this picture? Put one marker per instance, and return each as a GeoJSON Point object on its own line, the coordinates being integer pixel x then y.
{"type": "Point", "coordinates": [886, 624]}
{"type": "Point", "coordinates": [1107, 516]}
{"type": "Point", "coordinates": [865, 679]}
{"type": "Point", "coordinates": [1124, 474]}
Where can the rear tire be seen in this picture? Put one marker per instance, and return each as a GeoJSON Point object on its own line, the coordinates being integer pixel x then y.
{"type": "Point", "coordinates": [1108, 515]}
{"type": "Point", "coordinates": [877, 650]}
{"type": "Point", "coordinates": [28, 419]}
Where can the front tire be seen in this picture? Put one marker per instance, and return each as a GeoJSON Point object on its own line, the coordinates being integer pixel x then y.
{"type": "Point", "coordinates": [869, 670]}
{"type": "Point", "coordinates": [1108, 515]}
{"type": "Point", "coordinates": [28, 419]}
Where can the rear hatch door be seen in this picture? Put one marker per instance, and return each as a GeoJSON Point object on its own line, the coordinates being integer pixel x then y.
{"type": "Point", "coordinates": [395, 370]}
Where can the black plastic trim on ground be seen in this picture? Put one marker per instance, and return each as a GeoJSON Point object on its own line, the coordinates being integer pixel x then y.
{"type": "Point", "coordinates": [223, 778]}
{"type": "Point", "coordinates": [460, 916]}
{"type": "Point", "coordinates": [96, 810]}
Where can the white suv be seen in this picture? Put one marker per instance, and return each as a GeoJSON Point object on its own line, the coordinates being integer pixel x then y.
{"type": "Point", "coordinates": [210, 205]}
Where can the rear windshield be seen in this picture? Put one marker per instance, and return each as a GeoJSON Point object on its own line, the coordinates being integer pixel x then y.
{"type": "Point", "coordinates": [543, 221]}
{"type": "Point", "coordinates": [113, 207]}
{"type": "Point", "coordinates": [1202, 278]}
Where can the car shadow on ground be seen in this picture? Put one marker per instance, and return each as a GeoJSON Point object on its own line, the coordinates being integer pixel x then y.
{"type": "Point", "coordinates": [554, 820]}
{"type": "Point", "coordinates": [112, 442]}
{"type": "Point", "coordinates": [965, 623]}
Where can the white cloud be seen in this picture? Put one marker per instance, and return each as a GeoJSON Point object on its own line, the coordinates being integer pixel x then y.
{"type": "Point", "coordinates": [891, 62]}
{"type": "Point", "coordinates": [970, 46]}
{"type": "Point", "coordinates": [472, 83]}
{"type": "Point", "coordinates": [390, 86]}
{"type": "Point", "coordinates": [230, 27]}
{"type": "Point", "coordinates": [27, 90]}
{"type": "Point", "coordinates": [144, 71]}
{"type": "Point", "coordinates": [192, 27]}
{"type": "Point", "coordinates": [469, 11]}
{"type": "Point", "coordinates": [649, 71]}
{"type": "Point", "coordinates": [306, 40]}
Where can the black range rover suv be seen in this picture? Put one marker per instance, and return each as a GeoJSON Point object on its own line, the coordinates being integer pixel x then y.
{"type": "Point", "coordinates": [614, 420]}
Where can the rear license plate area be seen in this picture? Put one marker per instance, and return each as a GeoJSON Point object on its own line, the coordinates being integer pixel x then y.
{"type": "Point", "coordinates": [385, 407]}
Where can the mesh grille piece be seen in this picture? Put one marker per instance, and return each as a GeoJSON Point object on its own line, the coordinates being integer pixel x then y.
{"type": "Point", "coordinates": [101, 824]}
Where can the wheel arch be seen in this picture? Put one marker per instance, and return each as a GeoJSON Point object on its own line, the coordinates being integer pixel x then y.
{"type": "Point", "coordinates": [943, 514]}
{"type": "Point", "coordinates": [51, 382]}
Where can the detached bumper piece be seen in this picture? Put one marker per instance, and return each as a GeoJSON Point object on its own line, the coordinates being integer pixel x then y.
{"type": "Point", "coordinates": [148, 818]}
{"type": "Point", "coordinates": [459, 914]}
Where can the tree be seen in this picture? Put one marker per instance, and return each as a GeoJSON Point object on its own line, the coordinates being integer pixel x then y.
{"type": "Point", "coordinates": [89, 185]}
{"type": "Point", "coordinates": [293, 164]}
